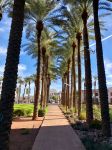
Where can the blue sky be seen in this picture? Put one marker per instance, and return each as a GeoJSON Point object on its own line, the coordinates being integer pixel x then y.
{"type": "Point", "coordinates": [27, 64]}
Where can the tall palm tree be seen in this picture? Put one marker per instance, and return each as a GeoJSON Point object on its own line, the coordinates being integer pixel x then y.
{"type": "Point", "coordinates": [37, 14]}
{"type": "Point", "coordinates": [10, 74]}
{"type": "Point", "coordinates": [73, 76]}
{"type": "Point", "coordinates": [95, 84]}
{"type": "Point", "coordinates": [101, 74]}
{"type": "Point", "coordinates": [20, 82]}
{"type": "Point", "coordinates": [79, 37]}
{"type": "Point", "coordinates": [43, 78]}
{"type": "Point", "coordinates": [73, 25]}
{"type": "Point", "coordinates": [88, 77]}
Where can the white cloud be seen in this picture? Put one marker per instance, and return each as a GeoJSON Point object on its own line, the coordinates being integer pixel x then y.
{"type": "Point", "coordinates": [1, 69]}
{"type": "Point", "coordinates": [3, 51]}
{"type": "Point", "coordinates": [108, 70]}
{"type": "Point", "coordinates": [2, 30]}
{"type": "Point", "coordinates": [108, 67]}
{"type": "Point", "coordinates": [21, 69]}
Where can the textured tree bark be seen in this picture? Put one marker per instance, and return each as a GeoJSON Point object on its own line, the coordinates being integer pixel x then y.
{"type": "Point", "coordinates": [24, 91]}
{"type": "Point", "coordinates": [88, 78]}
{"type": "Point", "coordinates": [29, 92]}
{"type": "Point", "coordinates": [101, 74]}
{"type": "Point", "coordinates": [39, 28]}
{"type": "Point", "coordinates": [79, 37]}
{"type": "Point", "coordinates": [10, 74]}
{"type": "Point", "coordinates": [74, 77]}
{"type": "Point", "coordinates": [48, 87]}
{"type": "Point", "coordinates": [68, 83]}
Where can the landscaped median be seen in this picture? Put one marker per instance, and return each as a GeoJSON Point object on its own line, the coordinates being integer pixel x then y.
{"type": "Point", "coordinates": [91, 136]}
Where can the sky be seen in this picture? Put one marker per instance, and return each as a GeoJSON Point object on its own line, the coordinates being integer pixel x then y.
{"type": "Point", "coordinates": [27, 64]}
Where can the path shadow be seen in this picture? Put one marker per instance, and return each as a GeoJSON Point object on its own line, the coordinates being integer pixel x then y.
{"type": "Point", "coordinates": [61, 137]}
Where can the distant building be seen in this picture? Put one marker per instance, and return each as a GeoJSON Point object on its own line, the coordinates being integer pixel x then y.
{"type": "Point", "coordinates": [54, 92]}
{"type": "Point", "coordinates": [96, 95]}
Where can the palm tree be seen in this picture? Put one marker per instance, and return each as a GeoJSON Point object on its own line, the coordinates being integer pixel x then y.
{"type": "Point", "coordinates": [73, 76]}
{"type": "Point", "coordinates": [48, 43]}
{"type": "Point", "coordinates": [10, 74]}
{"type": "Point", "coordinates": [79, 37]}
{"type": "Point", "coordinates": [25, 86]}
{"type": "Point", "coordinates": [88, 78]}
{"type": "Point", "coordinates": [68, 82]}
{"type": "Point", "coordinates": [3, 6]}
{"type": "Point", "coordinates": [101, 74]}
{"type": "Point", "coordinates": [27, 81]}
{"type": "Point", "coordinates": [29, 87]}
{"type": "Point", "coordinates": [20, 82]}
{"type": "Point", "coordinates": [43, 79]}
{"type": "Point", "coordinates": [95, 82]}
{"type": "Point", "coordinates": [37, 13]}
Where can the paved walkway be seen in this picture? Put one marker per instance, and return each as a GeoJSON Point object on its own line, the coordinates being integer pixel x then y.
{"type": "Point", "coordinates": [56, 133]}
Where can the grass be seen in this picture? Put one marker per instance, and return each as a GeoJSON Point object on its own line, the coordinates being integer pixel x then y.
{"type": "Point", "coordinates": [25, 110]}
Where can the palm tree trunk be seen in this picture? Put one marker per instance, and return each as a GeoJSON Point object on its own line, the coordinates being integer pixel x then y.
{"type": "Point", "coordinates": [64, 90]}
{"type": "Point", "coordinates": [39, 28]}
{"type": "Point", "coordinates": [68, 83]}
{"type": "Point", "coordinates": [48, 87]}
{"type": "Point", "coordinates": [29, 92]}
{"type": "Point", "coordinates": [46, 63]}
{"type": "Point", "coordinates": [74, 76]}
{"type": "Point", "coordinates": [101, 74]}
{"type": "Point", "coordinates": [88, 78]}
{"type": "Point", "coordinates": [62, 95]}
{"type": "Point", "coordinates": [10, 74]}
{"type": "Point", "coordinates": [79, 37]}
{"type": "Point", "coordinates": [24, 91]}
{"type": "Point", "coordinates": [19, 93]}
{"type": "Point", "coordinates": [43, 93]}
{"type": "Point", "coordinates": [72, 90]}
{"type": "Point", "coordinates": [66, 96]}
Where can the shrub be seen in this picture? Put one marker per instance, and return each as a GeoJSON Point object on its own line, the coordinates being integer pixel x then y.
{"type": "Point", "coordinates": [82, 116]}
{"type": "Point", "coordinates": [90, 144]}
{"type": "Point", "coordinates": [80, 126]}
{"type": "Point", "coordinates": [41, 112]}
{"type": "Point", "coordinates": [18, 113]}
{"type": "Point", "coordinates": [96, 124]}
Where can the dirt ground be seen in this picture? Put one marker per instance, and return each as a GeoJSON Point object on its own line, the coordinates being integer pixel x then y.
{"type": "Point", "coordinates": [23, 133]}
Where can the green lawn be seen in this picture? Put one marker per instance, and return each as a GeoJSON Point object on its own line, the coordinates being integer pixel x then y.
{"type": "Point", "coordinates": [25, 109]}
{"type": "Point", "coordinates": [24, 106]}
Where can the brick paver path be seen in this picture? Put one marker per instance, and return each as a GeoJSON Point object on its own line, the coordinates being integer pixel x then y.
{"type": "Point", "coordinates": [56, 133]}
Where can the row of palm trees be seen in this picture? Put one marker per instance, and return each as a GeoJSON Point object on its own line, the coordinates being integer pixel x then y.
{"type": "Point", "coordinates": [68, 23]}
{"type": "Point", "coordinates": [78, 27]}
{"type": "Point", "coordinates": [70, 26]}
